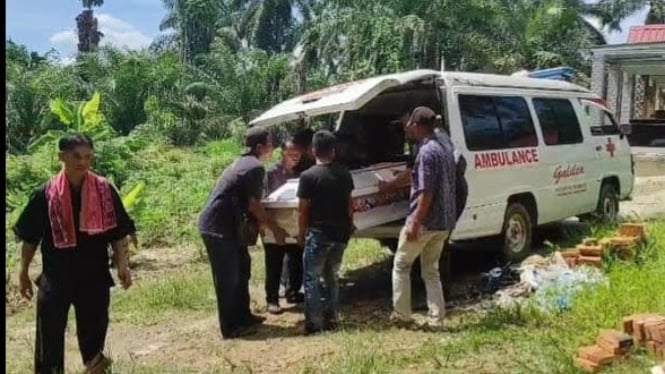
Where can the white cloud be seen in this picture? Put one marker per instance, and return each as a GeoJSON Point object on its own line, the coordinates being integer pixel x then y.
{"type": "Point", "coordinates": [116, 32]}
{"type": "Point", "coordinates": [63, 38]}
{"type": "Point", "coordinates": [64, 61]}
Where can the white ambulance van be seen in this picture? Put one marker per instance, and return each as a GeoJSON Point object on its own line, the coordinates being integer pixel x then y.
{"type": "Point", "coordinates": [538, 151]}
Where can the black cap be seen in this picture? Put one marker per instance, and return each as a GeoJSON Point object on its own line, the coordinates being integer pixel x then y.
{"type": "Point", "coordinates": [423, 115]}
{"type": "Point", "coordinates": [255, 136]}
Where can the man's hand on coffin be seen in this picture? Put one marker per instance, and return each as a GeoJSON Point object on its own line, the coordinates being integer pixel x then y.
{"type": "Point", "coordinates": [402, 178]}
{"type": "Point", "coordinates": [280, 235]}
{"type": "Point", "coordinates": [412, 230]}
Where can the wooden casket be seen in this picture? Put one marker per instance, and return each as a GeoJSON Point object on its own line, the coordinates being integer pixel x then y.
{"type": "Point", "coordinates": [371, 207]}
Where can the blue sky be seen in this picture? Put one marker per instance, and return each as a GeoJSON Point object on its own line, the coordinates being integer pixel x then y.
{"type": "Point", "coordinates": [46, 24]}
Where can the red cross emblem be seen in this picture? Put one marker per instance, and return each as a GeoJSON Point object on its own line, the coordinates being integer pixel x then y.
{"type": "Point", "coordinates": [610, 147]}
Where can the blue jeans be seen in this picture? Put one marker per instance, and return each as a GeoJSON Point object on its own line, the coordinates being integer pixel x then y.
{"type": "Point", "coordinates": [322, 258]}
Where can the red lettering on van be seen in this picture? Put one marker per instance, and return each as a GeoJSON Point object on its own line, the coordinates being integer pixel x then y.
{"type": "Point", "coordinates": [493, 157]}
{"type": "Point", "coordinates": [568, 172]}
{"type": "Point", "coordinates": [505, 158]}
{"type": "Point", "coordinates": [487, 161]}
{"type": "Point", "coordinates": [477, 161]}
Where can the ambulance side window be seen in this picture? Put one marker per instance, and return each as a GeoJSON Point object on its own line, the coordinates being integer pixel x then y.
{"type": "Point", "coordinates": [558, 121]}
{"type": "Point", "coordinates": [496, 122]}
{"type": "Point", "coordinates": [600, 122]}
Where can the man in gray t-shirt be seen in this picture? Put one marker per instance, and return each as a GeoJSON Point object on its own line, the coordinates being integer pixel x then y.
{"type": "Point", "coordinates": [431, 219]}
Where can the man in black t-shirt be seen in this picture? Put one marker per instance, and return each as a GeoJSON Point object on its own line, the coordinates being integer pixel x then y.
{"type": "Point", "coordinates": [73, 218]}
{"type": "Point", "coordinates": [224, 224]}
{"type": "Point", "coordinates": [325, 226]}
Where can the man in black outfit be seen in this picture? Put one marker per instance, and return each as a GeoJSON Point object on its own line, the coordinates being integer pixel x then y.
{"type": "Point", "coordinates": [74, 217]}
{"type": "Point", "coordinates": [225, 226]}
{"type": "Point", "coordinates": [325, 224]}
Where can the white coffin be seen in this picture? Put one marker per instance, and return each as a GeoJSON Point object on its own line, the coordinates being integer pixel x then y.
{"type": "Point", "coordinates": [371, 208]}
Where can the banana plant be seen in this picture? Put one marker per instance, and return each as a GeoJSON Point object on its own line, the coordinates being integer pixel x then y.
{"type": "Point", "coordinates": [129, 201]}
{"type": "Point", "coordinates": [132, 197]}
{"type": "Point", "coordinates": [81, 117]}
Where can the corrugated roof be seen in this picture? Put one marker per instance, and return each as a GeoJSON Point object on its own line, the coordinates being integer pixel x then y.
{"type": "Point", "coordinates": [646, 34]}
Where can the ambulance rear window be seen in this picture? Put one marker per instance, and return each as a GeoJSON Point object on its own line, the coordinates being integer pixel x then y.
{"type": "Point", "coordinates": [558, 121]}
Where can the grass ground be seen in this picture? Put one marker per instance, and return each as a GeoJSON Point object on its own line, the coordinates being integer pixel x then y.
{"type": "Point", "coordinates": [167, 324]}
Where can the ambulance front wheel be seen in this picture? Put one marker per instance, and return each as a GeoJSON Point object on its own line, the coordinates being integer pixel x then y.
{"type": "Point", "coordinates": [517, 232]}
{"type": "Point", "coordinates": [608, 203]}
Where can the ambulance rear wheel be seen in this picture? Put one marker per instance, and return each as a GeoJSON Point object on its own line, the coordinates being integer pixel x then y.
{"type": "Point", "coordinates": [517, 232]}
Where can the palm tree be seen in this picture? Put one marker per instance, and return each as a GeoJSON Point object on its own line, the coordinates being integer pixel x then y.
{"type": "Point", "coordinates": [614, 11]}
{"type": "Point", "coordinates": [86, 24]}
{"type": "Point", "coordinates": [195, 23]}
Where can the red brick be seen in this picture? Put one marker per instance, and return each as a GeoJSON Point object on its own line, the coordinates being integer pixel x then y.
{"type": "Point", "coordinates": [571, 252]}
{"type": "Point", "coordinates": [591, 261]}
{"type": "Point", "coordinates": [655, 331]}
{"type": "Point", "coordinates": [616, 339]}
{"type": "Point", "coordinates": [610, 347]}
{"type": "Point", "coordinates": [633, 229]}
{"type": "Point", "coordinates": [624, 241]}
{"type": "Point", "coordinates": [638, 325]}
{"type": "Point", "coordinates": [590, 250]}
{"type": "Point", "coordinates": [586, 365]}
{"type": "Point", "coordinates": [595, 354]}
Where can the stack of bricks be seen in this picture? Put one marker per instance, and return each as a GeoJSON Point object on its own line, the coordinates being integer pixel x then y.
{"type": "Point", "coordinates": [630, 236]}
{"type": "Point", "coordinates": [642, 330]}
{"type": "Point", "coordinates": [592, 250]}
{"type": "Point", "coordinates": [610, 346]}
{"type": "Point", "coordinates": [648, 330]}
{"type": "Point", "coordinates": [571, 256]}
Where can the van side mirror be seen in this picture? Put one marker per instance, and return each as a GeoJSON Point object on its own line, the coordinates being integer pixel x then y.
{"type": "Point", "coordinates": [626, 129]}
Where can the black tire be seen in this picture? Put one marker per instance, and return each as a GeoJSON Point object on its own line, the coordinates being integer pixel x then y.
{"type": "Point", "coordinates": [607, 210]}
{"type": "Point", "coordinates": [517, 233]}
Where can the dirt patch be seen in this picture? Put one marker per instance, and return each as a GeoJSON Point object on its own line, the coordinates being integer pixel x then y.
{"type": "Point", "coordinates": [14, 302]}
{"type": "Point", "coordinates": [154, 262]}
{"type": "Point", "coordinates": [191, 343]}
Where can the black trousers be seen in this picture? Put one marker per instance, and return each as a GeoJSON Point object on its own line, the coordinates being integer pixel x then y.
{"type": "Point", "coordinates": [274, 260]}
{"type": "Point", "coordinates": [231, 267]}
{"type": "Point", "coordinates": [91, 306]}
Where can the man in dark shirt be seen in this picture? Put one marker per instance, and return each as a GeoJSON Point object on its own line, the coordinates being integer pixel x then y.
{"type": "Point", "coordinates": [225, 223]}
{"type": "Point", "coordinates": [325, 226]}
{"type": "Point", "coordinates": [73, 218]}
{"type": "Point", "coordinates": [432, 216]}
{"type": "Point", "coordinates": [275, 254]}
